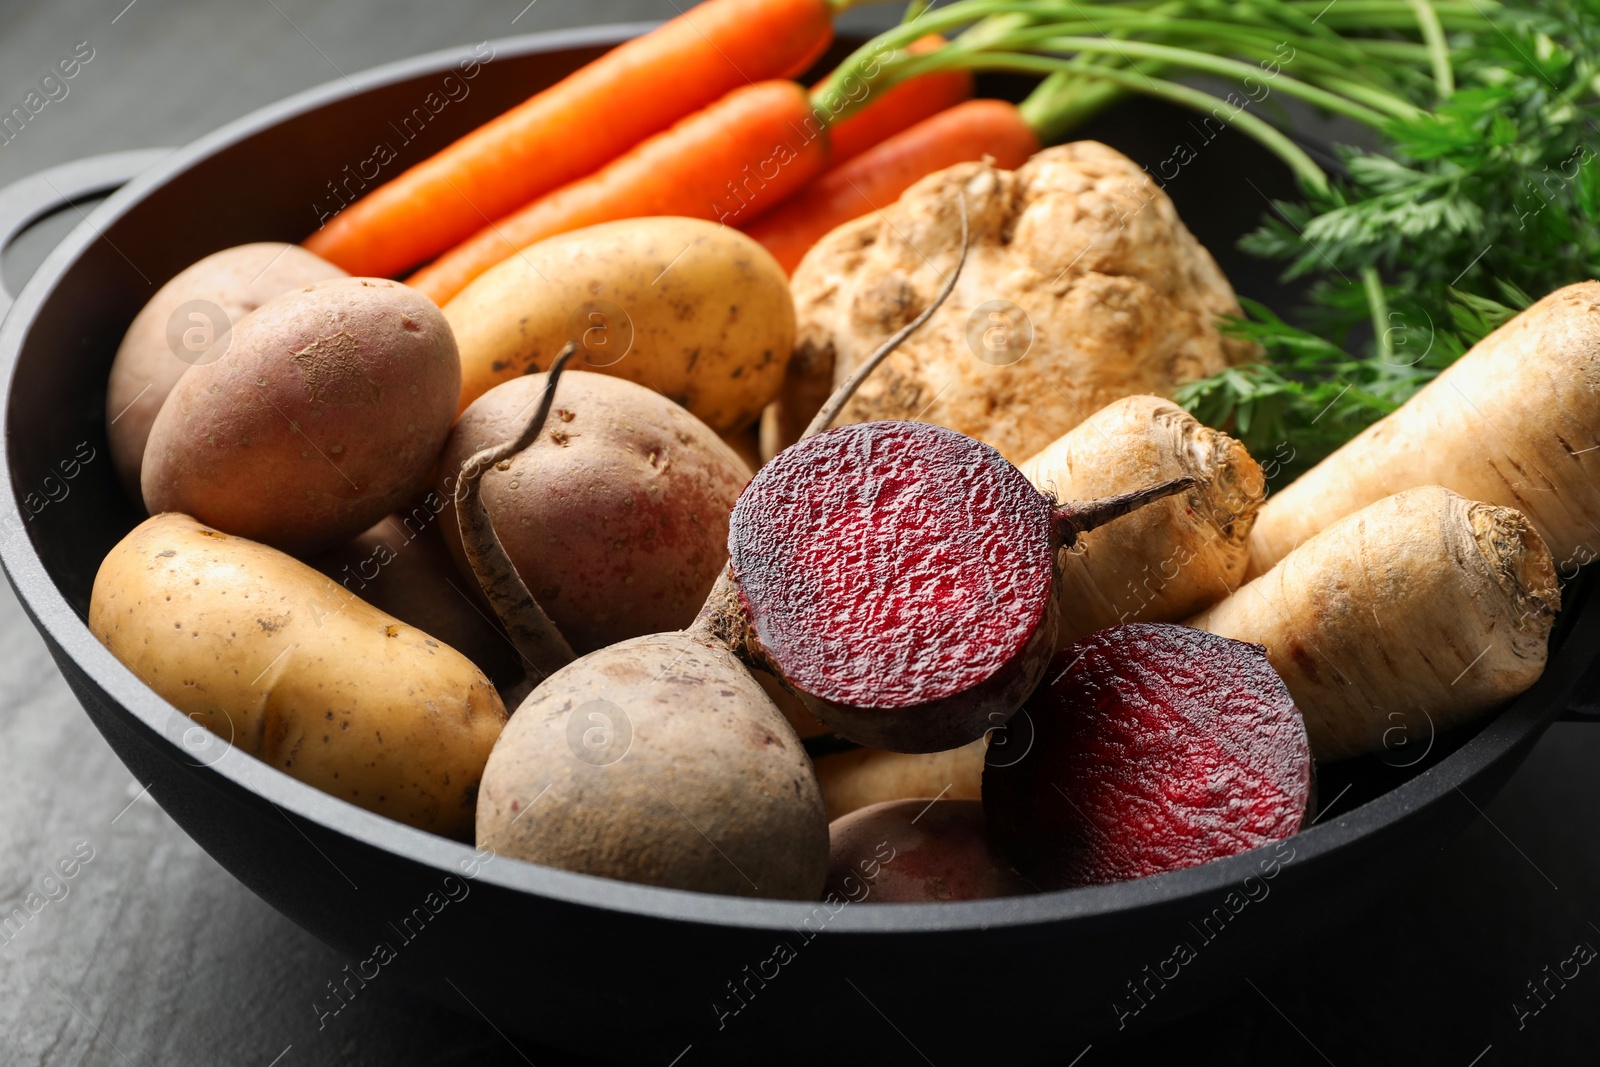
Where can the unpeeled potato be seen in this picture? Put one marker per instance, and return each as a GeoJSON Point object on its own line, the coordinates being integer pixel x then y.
{"type": "Point", "coordinates": [286, 665]}
{"type": "Point", "coordinates": [178, 329]}
{"type": "Point", "coordinates": [696, 311]}
{"type": "Point", "coordinates": [327, 413]}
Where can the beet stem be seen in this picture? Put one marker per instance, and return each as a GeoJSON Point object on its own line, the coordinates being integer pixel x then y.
{"type": "Point", "coordinates": [722, 618]}
{"type": "Point", "coordinates": [1081, 516]}
{"type": "Point", "coordinates": [841, 396]}
{"type": "Point", "coordinates": [536, 637]}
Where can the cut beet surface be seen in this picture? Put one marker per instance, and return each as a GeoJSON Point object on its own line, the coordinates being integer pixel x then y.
{"type": "Point", "coordinates": [899, 577]}
{"type": "Point", "coordinates": [1156, 747]}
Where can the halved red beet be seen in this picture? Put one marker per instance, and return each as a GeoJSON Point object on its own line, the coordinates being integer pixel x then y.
{"type": "Point", "coordinates": [898, 575]}
{"type": "Point", "coordinates": [1155, 747]}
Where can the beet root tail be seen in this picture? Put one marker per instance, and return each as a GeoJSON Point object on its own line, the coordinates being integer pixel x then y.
{"type": "Point", "coordinates": [1081, 516]}
{"type": "Point", "coordinates": [539, 642]}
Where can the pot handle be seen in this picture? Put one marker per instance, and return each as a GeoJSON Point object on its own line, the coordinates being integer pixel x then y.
{"type": "Point", "coordinates": [27, 200]}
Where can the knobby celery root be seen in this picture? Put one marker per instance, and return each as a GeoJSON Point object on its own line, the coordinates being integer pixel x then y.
{"type": "Point", "coordinates": [1165, 562]}
{"type": "Point", "coordinates": [1417, 613]}
{"type": "Point", "coordinates": [1119, 298]}
{"type": "Point", "coordinates": [862, 777]}
{"type": "Point", "coordinates": [1515, 421]}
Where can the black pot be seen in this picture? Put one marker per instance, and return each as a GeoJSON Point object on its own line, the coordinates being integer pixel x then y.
{"type": "Point", "coordinates": [610, 969]}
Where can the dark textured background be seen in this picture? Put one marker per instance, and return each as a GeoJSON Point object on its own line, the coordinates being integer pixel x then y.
{"type": "Point", "coordinates": [156, 956]}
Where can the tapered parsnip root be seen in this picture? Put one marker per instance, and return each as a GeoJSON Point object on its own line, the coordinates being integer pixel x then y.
{"type": "Point", "coordinates": [1417, 613]}
{"type": "Point", "coordinates": [1515, 422]}
{"type": "Point", "coordinates": [1164, 562]}
{"type": "Point", "coordinates": [862, 777]}
{"type": "Point", "coordinates": [658, 760]}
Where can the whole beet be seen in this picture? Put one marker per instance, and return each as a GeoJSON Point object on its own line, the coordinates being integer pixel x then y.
{"type": "Point", "coordinates": [615, 517]}
{"type": "Point", "coordinates": [918, 852]}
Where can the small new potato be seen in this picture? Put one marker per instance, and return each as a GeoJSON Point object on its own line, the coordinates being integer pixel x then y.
{"type": "Point", "coordinates": [175, 331]}
{"type": "Point", "coordinates": [326, 414]}
{"type": "Point", "coordinates": [696, 311]}
{"type": "Point", "coordinates": [288, 666]}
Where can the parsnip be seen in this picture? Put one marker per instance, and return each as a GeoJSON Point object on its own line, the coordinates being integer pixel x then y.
{"type": "Point", "coordinates": [1419, 612]}
{"type": "Point", "coordinates": [1515, 421]}
{"type": "Point", "coordinates": [1165, 562]}
{"type": "Point", "coordinates": [866, 776]}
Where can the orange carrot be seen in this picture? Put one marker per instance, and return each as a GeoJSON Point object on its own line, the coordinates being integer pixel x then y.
{"type": "Point", "coordinates": [902, 106]}
{"type": "Point", "coordinates": [728, 163]}
{"type": "Point", "coordinates": [574, 127]}
{"type": "Point", "coordinates": [877, 177]}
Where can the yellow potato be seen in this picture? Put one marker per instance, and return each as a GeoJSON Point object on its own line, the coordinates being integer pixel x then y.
{"type": "Point", "coordinates": [295, 670]}
{"type": "Point", "coordinates": [696, 311]}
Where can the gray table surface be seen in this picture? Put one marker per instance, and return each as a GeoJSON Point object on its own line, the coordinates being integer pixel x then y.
{"type": "Point", "coordinates": [152, 954]}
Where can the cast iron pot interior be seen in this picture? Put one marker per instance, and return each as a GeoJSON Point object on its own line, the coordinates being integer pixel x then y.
{"type": "Point", "coordinates": [609, 969]}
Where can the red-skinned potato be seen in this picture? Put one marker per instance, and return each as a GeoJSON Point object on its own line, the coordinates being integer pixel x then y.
{"type": "Point", "coordinates": [616, 517]}
{"type": "Point", "coordinates": [327, 412]}
{"type": "Point", "coordinates": [918, 852]}
{"type": "Point", "coordinates": [176, 330]}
